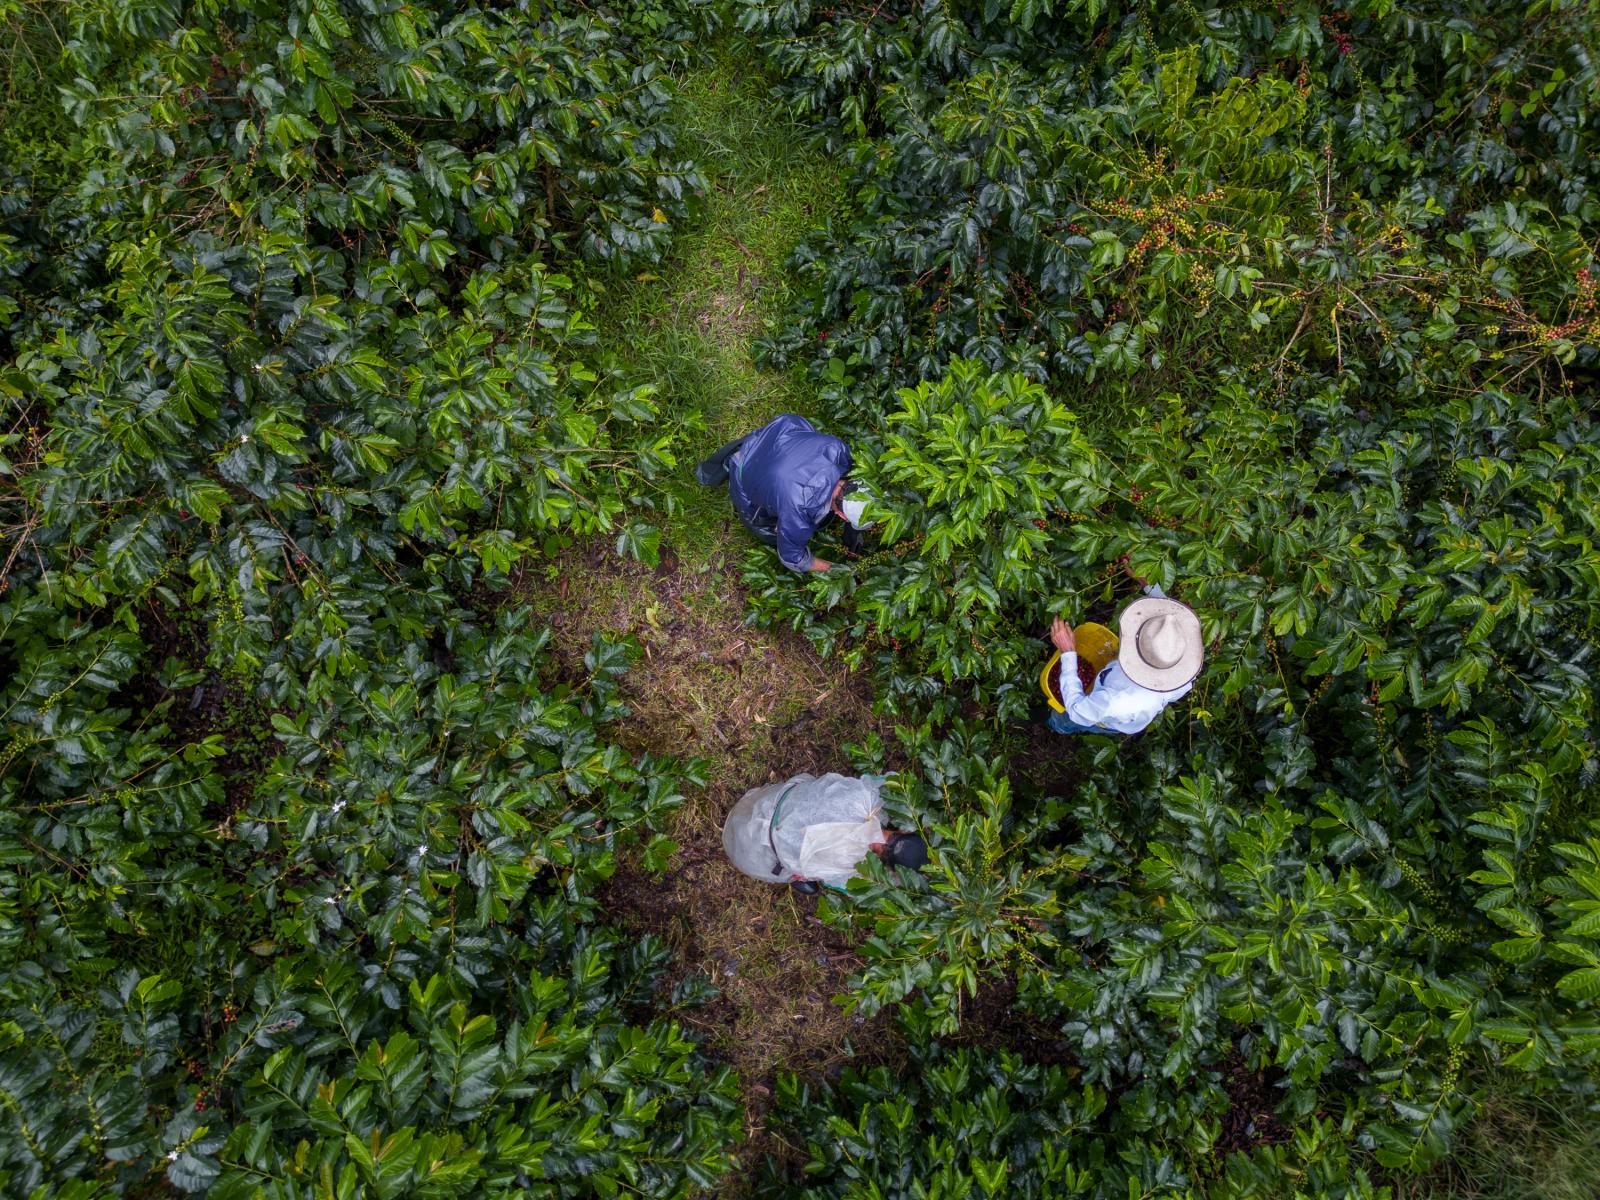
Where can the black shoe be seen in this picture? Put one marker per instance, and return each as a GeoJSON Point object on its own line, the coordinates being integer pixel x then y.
{"type": "Point", "coordinates": [806, 887]}
{"type": "Point", "coordinates": [714, 470]}
{"type": "Point", "coordinates": [711, 473]}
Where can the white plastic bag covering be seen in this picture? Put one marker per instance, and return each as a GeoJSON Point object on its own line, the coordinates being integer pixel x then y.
{"type": "Point", "coordinates": [824, 828]}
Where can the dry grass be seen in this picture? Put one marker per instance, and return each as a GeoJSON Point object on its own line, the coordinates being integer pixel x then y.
{"type": "Point", "coordinates": [706, 683]}
{"type": "Point", "coordinates": [1518, 1147]}
{"type": "Point", "coordinates": [778, 968]}
{"type": "Point", "coordinates": [728, 317]}
{"type": "Point", "coordinates": [758, 706]}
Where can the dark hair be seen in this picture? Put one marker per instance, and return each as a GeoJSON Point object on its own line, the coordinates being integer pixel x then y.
{"type": "Point", "coordinates": [850, 485]}
{"type": "Point", "coordinates": [908, 850]}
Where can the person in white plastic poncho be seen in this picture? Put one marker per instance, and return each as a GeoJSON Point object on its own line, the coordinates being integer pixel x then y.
{"type": "Point", "coordinates": [812, 832]}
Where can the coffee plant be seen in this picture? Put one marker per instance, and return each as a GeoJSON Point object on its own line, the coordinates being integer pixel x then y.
{"type": "Point", "coordinates": [980, 1122]}
{"type": "Point", "coordinates": [1290, 309]}
{"type": "Point", "coordinates": [1293, 313]}
{"type": "Point", "coordinates": [299, 824]}
{"type": "Point", "coordinates": [985, 911]}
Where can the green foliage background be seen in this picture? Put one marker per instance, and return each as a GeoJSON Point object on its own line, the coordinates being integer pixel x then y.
{"type": "Point", "coordinates": [1294, 308]}
{"type": "Point", "coordinates": [1291, 306]}
{"type": "Point", "coordinates": [299, 832]}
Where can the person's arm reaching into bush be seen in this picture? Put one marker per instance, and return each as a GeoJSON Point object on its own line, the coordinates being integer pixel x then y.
{"type": "Point", "coordinates": [1145, 586]}
{"type": "Point", "coordinates": [1080, 709]}
{"type": "Point", "coordinates": [793, 550]}
{"type": "Point", "coordinates": [1061, 634]}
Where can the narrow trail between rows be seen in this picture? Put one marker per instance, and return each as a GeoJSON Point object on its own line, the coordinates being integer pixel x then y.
{"type": "Point", "coordinates": [757, 705]}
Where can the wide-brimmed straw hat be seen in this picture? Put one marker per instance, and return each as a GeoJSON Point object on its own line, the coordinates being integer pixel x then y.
{"type": "Point", "coordinates": [1162, 646]}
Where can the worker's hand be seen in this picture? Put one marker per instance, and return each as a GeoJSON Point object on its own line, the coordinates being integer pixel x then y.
{"type": "Point", "coordinates": [1061, 637]}
{"type": "Point", "coordinates": [820, 565]}
{"type": "Point", "coordinates": [1127, 569]}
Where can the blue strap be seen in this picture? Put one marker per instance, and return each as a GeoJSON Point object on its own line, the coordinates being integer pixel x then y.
{"type": "Point", "coordinates": [777, 860]}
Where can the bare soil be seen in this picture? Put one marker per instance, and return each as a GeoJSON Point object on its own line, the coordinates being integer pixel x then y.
{"type": "Point", "coordinates": [991, 1020]}
{"type": "Point", "coordinates": [1048, 762]}
{"type": "Point", "coordinates": [1251, 1119]}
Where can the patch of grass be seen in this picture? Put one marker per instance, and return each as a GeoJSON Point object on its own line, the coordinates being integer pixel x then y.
{"type": "Point", "coordinates": [1520, 1147]}
{"type": "Point", "coordinates": [690, 324]}
{"type": "Point", "coordinates": [775, 966]}
{"type": "Point", "coordinates": [37, 138]}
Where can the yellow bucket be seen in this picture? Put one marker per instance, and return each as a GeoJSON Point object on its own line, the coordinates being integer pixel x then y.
{"type": "Point", "coordinates": [1097, 646]}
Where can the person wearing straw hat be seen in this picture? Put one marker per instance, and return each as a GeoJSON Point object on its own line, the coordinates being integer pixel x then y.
{"type": "Point", "coordinates": [1159, 653]}
{"type": "Point", "coordinates": [785, 480]}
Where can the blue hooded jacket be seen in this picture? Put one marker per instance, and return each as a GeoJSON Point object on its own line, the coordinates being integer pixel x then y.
{"type": "Point", "coordinates": [784, 475]}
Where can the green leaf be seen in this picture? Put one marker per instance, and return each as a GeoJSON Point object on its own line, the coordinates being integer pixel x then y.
{"type": "Point", "coordinates": [1582, 984]}
{"type": "Point", "coordinates": [206, 500]}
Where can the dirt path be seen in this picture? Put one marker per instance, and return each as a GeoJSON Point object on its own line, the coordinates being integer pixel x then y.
{"type": "Point", "coordinates": [757, 705]}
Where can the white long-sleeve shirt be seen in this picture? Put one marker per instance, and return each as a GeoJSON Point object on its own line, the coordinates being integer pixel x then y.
{"type": "Point", "coordinates": [1117, 704]}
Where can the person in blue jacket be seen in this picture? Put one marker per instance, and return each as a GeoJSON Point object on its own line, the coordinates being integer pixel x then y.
{"type": "Point", "coordinates": [785, 480]}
